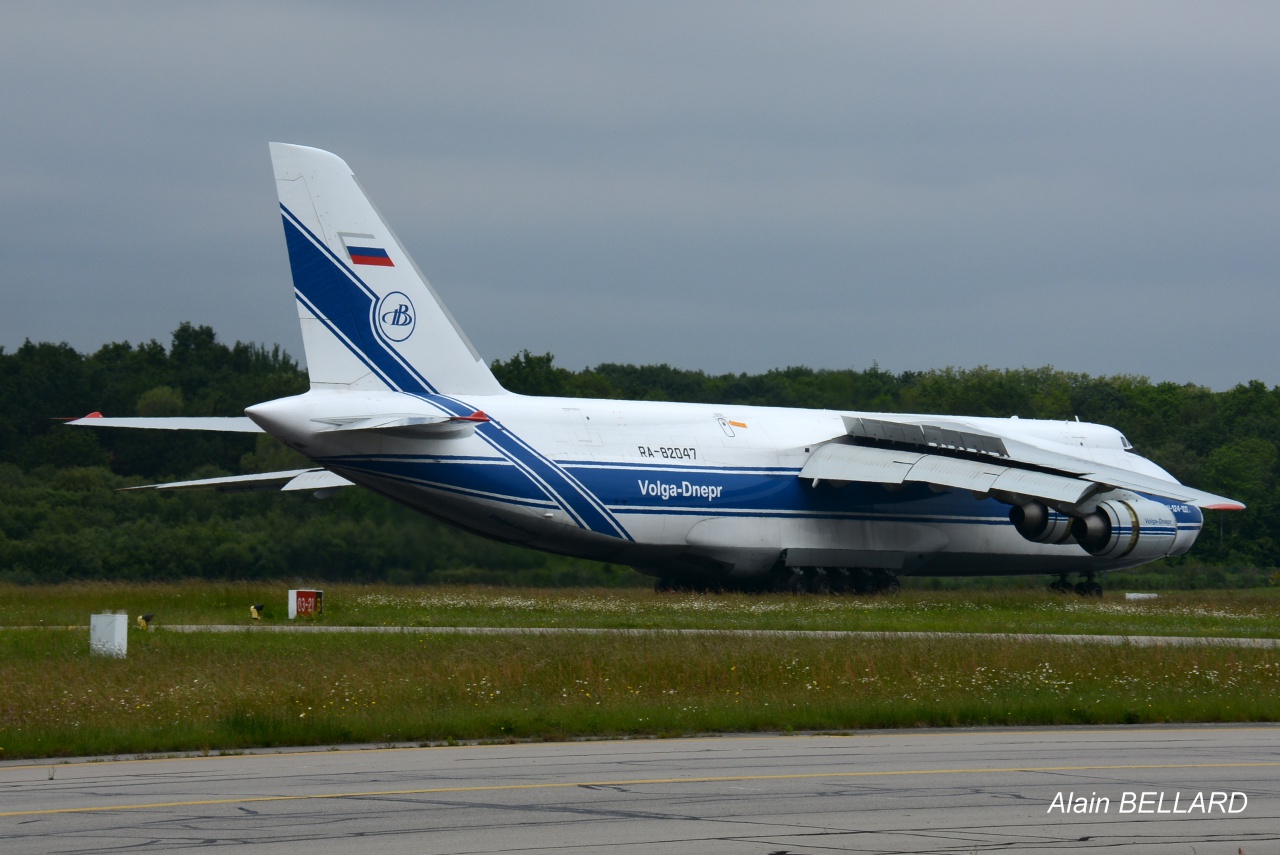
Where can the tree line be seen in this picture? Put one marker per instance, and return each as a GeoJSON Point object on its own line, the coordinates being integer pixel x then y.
{"type": "Point", "coordinates": [61, 517]}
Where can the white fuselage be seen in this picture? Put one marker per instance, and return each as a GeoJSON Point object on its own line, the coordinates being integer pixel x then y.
{"type": "Point", "coordinates": [673, 488]}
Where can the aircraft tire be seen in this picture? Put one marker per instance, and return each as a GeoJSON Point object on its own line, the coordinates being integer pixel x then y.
{"type": "Point", "coordinates": [1088, 588]}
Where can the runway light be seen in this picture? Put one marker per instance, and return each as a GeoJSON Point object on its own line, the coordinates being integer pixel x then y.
{"type": "Point", "coordinates": [144, 621]}
{"type": "Point", "coordinates": [255, 612]}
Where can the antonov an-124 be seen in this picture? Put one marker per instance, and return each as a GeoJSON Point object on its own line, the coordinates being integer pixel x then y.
{"type": "Point", "coordinates": [700, 496]}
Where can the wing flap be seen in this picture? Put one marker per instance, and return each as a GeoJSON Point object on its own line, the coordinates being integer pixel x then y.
{"type": "Point", "coordinates": [834, 462]}
{"type": "Point", "coordinates": [1166, 489]}
{"type": "Point", "coordinates": [1042, 485]}
{"type": "Point", "coordinates": [939, 434]}
{"type": "Point", "coordinates": [1123, 479]}
{"type": "Point", "coordinates": [1019, 468]}
{"type": "Point", "coordinates": [952, 472]}
{"type": "Point", "coordinates": [839, 462]}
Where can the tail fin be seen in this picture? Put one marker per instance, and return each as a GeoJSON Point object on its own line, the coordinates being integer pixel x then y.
{"type": "Point", "coordinates": [370, 320]}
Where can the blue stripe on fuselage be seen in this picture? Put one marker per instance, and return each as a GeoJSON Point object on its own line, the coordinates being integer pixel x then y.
{"type": "Point", "coordinates": [345, 304]}
{"type": "Point", "coordinates": [748, 493]}
{"type": "Point", "coordinates": [495, 478]}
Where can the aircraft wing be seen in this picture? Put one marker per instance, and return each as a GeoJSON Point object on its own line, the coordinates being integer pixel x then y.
{"type": "Point", "coordinates": [949, 453]}
{"type": "Point", "coordinates": [296, 479]}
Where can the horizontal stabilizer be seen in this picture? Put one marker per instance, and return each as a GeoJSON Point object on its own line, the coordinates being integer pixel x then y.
{"type": "Point", "coordinates": [296, 479]}
{"type": "Point", "coordinates": [411, 426]}
{"type": "Point", "coordinates": [230, 424]}
{"type": "Point", "coordinates": [316, 479]}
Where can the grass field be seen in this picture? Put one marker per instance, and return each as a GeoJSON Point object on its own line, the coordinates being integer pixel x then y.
{"type": "Point", "coordinates": [180, 691]}
{"type": "Point", "coordinates": [1240, 613]}
{"type": "Point", "coordinates": [220, 692]}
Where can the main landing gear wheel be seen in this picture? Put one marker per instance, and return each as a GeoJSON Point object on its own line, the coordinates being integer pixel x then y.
{"type": "Point", "coordinates": [1089, 588]}
{"type": "Point", "coordinates": [1086, 587]}
{"type": "Point", "coordinates": [839, 580]}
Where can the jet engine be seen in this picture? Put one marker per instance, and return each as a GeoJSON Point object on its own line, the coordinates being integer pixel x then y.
{"type": "Point", "coordinates": [1127, 526]}
{"type": "Point", "coordinates": [1040, 524]}
{"type": "Point", "coordinates": [1122, 525]}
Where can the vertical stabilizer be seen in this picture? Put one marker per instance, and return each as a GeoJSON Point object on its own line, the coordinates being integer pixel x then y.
{"type": "Point", "coordinates": [370, 320]}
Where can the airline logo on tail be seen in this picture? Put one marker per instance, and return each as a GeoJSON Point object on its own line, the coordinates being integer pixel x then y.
{"type": "Point", "coordinates": [396, 316]}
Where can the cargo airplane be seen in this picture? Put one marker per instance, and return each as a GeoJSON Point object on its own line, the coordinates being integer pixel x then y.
{"type": "Point", "coordinates": [700, 496]}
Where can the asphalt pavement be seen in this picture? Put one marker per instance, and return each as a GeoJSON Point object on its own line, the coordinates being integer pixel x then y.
{"type": "Point", "coordinates": [1192, 789]}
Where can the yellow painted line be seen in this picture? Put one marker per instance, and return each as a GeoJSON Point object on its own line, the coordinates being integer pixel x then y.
{"type": "Point", "coordinates": [635, 782]}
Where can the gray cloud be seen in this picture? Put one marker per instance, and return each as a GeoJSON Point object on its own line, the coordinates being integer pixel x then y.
{"type": "Point", "coordinates": [731, 187]}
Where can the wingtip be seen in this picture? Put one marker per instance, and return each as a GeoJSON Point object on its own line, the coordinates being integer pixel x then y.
{"type": "Point", "coordinates": [1225, 506]}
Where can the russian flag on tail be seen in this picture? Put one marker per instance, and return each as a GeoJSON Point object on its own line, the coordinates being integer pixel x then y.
{"type": "Point", "coordinates": [364, 249]}
{"type": "Point", "coordinates": [369, 255]}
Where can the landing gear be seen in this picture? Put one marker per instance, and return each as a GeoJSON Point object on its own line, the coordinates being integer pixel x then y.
{"type": "Point", "coordinates": [1086, 587]}
{"type": "Point", "coordinates": [840, 580]}
{"type": "Point", "coordinates": [793, 580]}
{"type": "Point", "coordinates": [667, 585]}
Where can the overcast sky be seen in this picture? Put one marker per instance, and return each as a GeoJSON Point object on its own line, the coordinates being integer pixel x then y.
{"type": "Point", "coordinates": [722, 186]}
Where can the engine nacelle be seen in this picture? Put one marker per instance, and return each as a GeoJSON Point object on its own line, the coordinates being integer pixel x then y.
{"type": "Point", "coordinates": [1128, 526]}
{"type": "Point", "coordinates": [1039, 523]}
